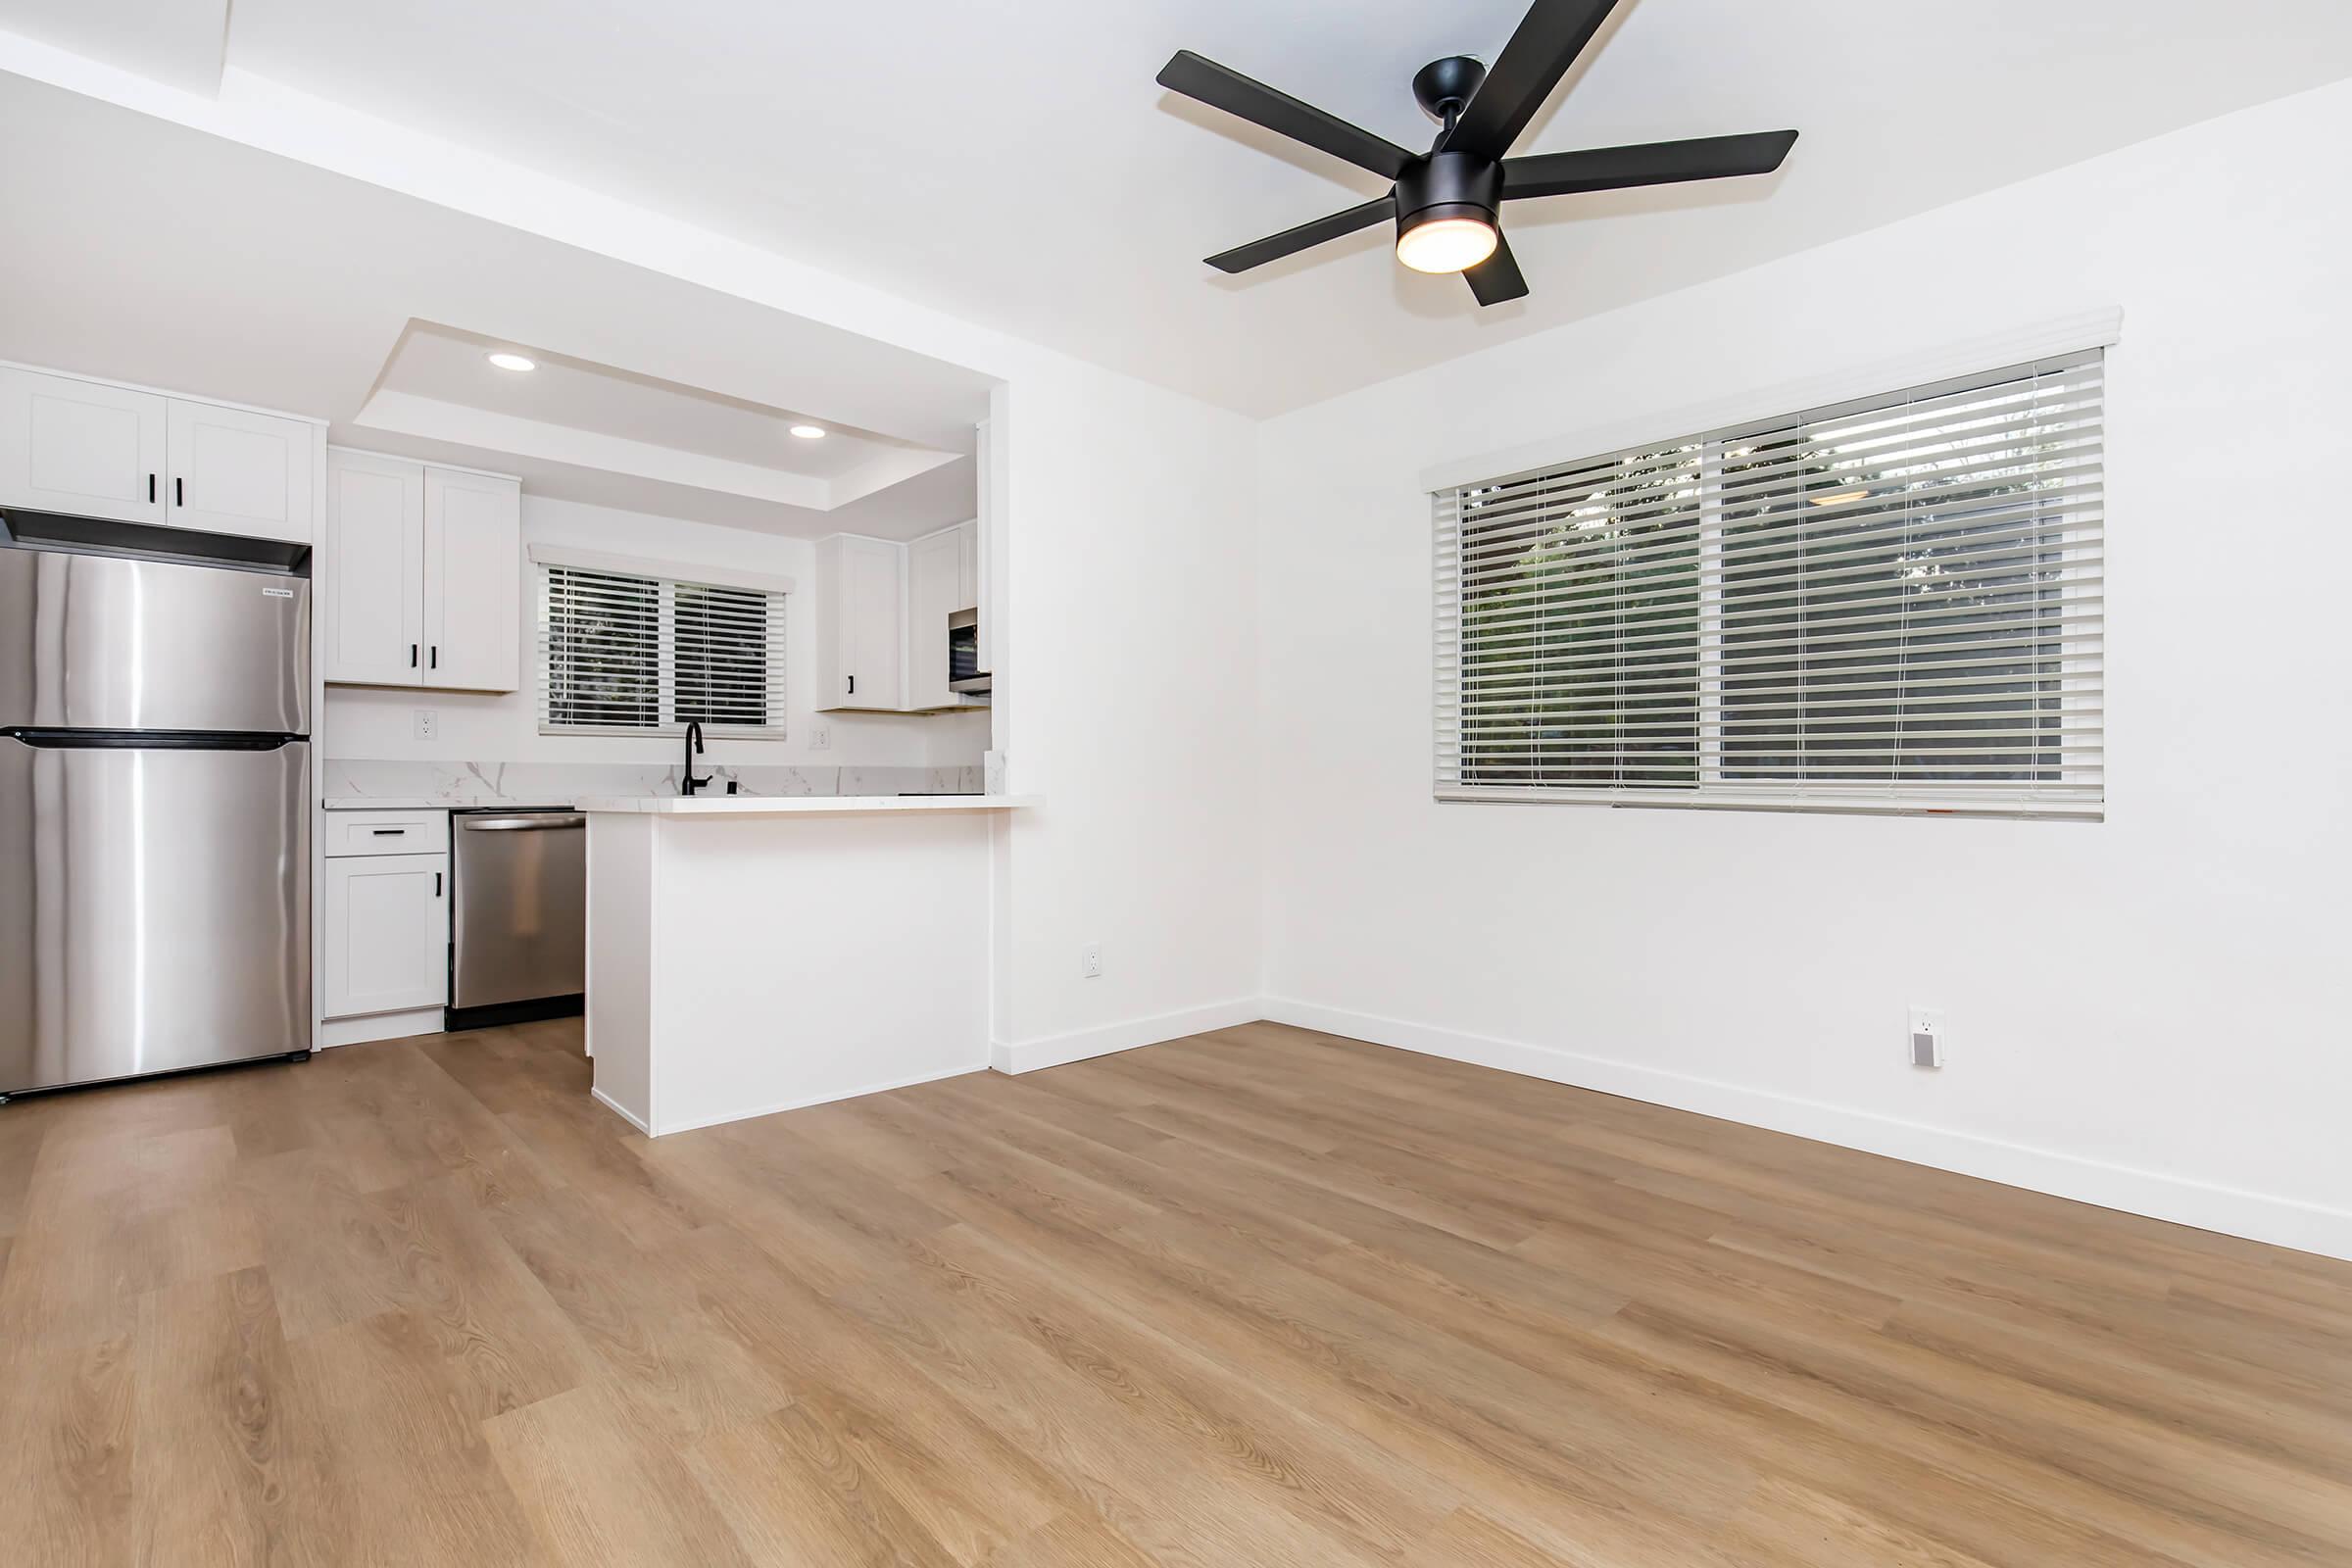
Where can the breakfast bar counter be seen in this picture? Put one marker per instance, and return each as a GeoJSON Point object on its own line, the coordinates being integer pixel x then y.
{"type": "Point", "coordinates": [754, 954]}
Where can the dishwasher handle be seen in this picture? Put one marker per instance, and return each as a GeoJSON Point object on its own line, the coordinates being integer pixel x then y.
{"type": "Point", "coordinates": [537, 823]}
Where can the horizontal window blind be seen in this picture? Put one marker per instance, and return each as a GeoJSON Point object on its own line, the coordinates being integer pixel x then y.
{"type": "Point", "coordinates": [621, 651]}
{"type": "Point", "coordinates": [1893, 602]}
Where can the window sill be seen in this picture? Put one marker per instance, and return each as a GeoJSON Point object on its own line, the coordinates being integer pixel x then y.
{"type": "Point", "coordinates": [2064, 810]}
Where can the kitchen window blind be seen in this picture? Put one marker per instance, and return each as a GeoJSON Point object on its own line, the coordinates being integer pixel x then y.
{"type": "Point", "coordinates": [630, 653]}
{"type": "Point", "coordinates": [1895, 603]}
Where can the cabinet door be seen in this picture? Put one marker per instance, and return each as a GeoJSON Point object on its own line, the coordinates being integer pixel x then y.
{"type": "Point", "coordinates": [472, 581]}
{"type": "Point", "coordinates": [859, 624]}
{"type": "Point", "coordinates": [387, 933]}
{"type": "Point", "coordinates": [373, 570]}
{"type": "Point", "coordinates": [934, 592]}
{"type": "Point", "coordinates": [238, 472]}
{"type": "Point", "coordinates": [80, 448]}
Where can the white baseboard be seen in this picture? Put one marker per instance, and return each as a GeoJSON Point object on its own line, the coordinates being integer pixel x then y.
{"type": "Point", "coordinates": [380, 1026]}
{"type": "Point", "coordinates": [620, 1110]}
{"type": "Point", "coordinates": [2258, 1216]}
{"type": "Point", "coordinates": [1054, 1051]}
{"type": "Point", "coordinates": [748, 1113]}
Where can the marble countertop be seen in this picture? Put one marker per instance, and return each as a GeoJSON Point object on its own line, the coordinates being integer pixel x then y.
{"type": "Point", "coordinates": [437, 802]}
{"type": "Point", "coordinates": [797, 804]}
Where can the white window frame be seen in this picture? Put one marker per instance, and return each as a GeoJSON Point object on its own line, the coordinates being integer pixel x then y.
{"type": "Point", "coordinates": [668, 576]}
{"type": "Point", "coordinates": [2080, 654]}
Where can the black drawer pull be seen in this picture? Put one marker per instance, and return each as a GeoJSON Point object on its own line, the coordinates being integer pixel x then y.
{"type": "Point", "coordinates": [379, 832]}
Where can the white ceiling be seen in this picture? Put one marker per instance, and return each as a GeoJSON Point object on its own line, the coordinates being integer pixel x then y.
{"type": "Point", "coordinates": [1018, 167]}
{"type": "Point", "coordinates": [137, 250]}
{"type": "Point", "coordinates": [1016, 164]}
{"type": "Point", "coordinates": [181, 42]}
{"type": "Point", "coordinates": [454, 367]}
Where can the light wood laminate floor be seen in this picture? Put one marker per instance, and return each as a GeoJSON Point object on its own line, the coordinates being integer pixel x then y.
{"type": "Point", "coordinates": [1261, 1297]}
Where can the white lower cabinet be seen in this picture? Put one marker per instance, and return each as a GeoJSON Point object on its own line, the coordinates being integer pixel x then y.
{"type": "Point", "coordinates": [386, 920]}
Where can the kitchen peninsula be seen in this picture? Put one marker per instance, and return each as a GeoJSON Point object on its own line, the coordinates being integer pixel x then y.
{"type": "Point", "coordinates": [748, 954]}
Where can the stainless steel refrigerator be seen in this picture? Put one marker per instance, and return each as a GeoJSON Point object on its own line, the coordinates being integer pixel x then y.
{"type": "Point", "coordinates": [155, 791]}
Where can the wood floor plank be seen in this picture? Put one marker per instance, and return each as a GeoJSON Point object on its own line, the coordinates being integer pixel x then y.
{"type": "Point", "coordinates": [230, 1466]}
{"type": "Point", "coordinates": [1263, 1297]}
{"type": "Point", "coordinates": [599, 1488]}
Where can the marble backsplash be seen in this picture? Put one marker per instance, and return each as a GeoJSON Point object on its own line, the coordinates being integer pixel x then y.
{"type": "Point", "coordinates": [554, 783]}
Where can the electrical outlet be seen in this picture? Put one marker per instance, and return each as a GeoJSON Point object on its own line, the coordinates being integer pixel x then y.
{"type": "Point", "coordinates": [1090, 961]}
{"type": "Point", "coordinates": [820, 737]}
{"type": "Point", "coordinates": [1927, 1037]}
{"type": "Point", "coordinates": [428, 723]}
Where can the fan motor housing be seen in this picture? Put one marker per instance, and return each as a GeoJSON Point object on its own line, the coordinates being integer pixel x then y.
{"type": "Point", "coordinates": [1448, 185]}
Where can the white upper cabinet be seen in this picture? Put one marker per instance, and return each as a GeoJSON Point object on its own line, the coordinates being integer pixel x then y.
{"type": "Point", "coordinates": [234, 471]}
{"type": "Point", "coordinates": [422, 572]}
{"type": "Point", "coordinates": [372, 570]}
{"type": "Point", "coordinates": [859, 633]}
{"type": "Point", "coordinates": [94, 450]}
{"type": "Point", "coordinates": [942, 577]}
{"type": "Point", "coordinates": [472, 580]}
{"type": "Point", "coordinates": [81, 448]}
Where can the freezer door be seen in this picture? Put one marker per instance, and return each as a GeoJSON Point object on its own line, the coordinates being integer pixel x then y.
{"type": "Point", "coordinates": [103, 642]}
{"type": "Point", "coordinates": [155, 909]}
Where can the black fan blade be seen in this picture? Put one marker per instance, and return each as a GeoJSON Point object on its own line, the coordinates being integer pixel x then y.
{"type": "Point", "coordinates": [1548, 40]}
{"type": "Point", "coordinates": [1498, 278]}
{"type": "Point", "coordinates": [1219, 88]}
{"type": "Point", "coordinates": [1658, 162]}
{"type": "Point", "coordinates": [1273, 248]}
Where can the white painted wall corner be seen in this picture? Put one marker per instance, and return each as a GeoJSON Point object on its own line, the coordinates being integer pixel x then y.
{"type": "Point", "coordinates": [2258, 1216]}
{"type": "Point", "coordinates": [1054, 1051]}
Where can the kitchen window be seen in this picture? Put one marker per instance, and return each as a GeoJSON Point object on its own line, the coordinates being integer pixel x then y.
{"type": "Point", "coordinates": [1896, 602]}
{"type": "Point", "coordinates": [625, 649]}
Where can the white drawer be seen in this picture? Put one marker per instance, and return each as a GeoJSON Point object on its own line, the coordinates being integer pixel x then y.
{"type": "Point", "coordinates": [386, 833]}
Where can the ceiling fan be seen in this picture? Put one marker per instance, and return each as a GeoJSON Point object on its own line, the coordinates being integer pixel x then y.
{"type": "Point", "coordinates": [1448, 202]}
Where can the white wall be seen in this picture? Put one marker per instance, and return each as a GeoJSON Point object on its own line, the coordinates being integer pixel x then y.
{"type": "Point", "coordinates": [2143, 1012]}
{"type": "Point", "coordinates": [476, 726]}
{"type": "Point", "coordinates": [1127, 692]}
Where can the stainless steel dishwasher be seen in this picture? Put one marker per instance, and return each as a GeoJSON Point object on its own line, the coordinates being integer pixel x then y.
{"type": "Point", "coordinates": [520, 916]}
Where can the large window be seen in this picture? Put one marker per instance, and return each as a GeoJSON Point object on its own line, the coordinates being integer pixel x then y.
{"type": "Point", "coordinates": [1893, 602]}
{"type": "Point", "coordinates": [636, 652]}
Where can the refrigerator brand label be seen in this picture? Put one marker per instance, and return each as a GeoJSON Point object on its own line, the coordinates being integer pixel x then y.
{"type": "Point", "coordinates": [278, 592]}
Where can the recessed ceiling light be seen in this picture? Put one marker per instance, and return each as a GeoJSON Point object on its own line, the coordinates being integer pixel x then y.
{"type": "Point", "coordinates": [809, 432]}
{"type": "Point", "coordinates": [512, 362]}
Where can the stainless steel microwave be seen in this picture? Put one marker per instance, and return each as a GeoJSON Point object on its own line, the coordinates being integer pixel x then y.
{"type": "Point", "coordinates": [964, 673]}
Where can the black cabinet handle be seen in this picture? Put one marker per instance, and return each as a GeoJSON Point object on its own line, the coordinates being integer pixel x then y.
{"type": "Point", "coordinates": [436, 655]}
{"type": "Point", "coordinates": [411, 655]}
{"type": "Point", "coordinates": [394, 832]}
{"type": "Point", "coordinates": [180, 492]}
{"type": "Point", "coordinates": [853, 685]}
{"type": "Point", "coordinates": [436, 884]}
{"type": "Point", "coordinates": [150, 489]}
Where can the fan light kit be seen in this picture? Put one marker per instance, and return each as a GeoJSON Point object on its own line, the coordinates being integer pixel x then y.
{"type": "Point", "coordinates": [809, 432]}
{"type": "Point", "coordinates": [511, 361]}
{"type": "Point", "coordinates": [1447, 203]}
